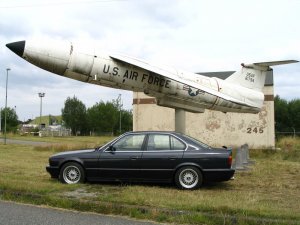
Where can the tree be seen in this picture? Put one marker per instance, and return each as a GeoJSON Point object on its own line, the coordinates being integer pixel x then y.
{"type": "Point", "coordinates": [287, 115]}
{"type": "Point", "coordinates": [294, 114]}
{"type": "Point", "coordinates": [126, 121]}
{"type": "Point", "coordinates": [102, 117]}
{"type": "Point", "coordinates": [74, 115]}
{"type": "Point", "coordinates": [282, 117]}
{"type": "Point", "coordinates": [11, 120]}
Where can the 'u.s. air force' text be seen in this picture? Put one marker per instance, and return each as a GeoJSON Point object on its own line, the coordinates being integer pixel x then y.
{"type": "Point", "coordinates": [134, 75]}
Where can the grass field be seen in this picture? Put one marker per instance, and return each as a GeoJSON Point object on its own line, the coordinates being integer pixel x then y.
{"type": "Point", "coordinates": [269, 193]}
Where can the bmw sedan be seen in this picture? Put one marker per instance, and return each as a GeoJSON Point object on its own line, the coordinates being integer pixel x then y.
{"type": "Point", "coordinates": [145, 157]}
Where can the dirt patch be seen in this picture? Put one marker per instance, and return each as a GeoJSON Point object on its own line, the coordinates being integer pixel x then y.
{"type": "Point", "coordinates": [79, 194]}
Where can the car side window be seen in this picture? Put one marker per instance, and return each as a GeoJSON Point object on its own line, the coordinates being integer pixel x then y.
{"type": "Point", "coordinates": [176, 144]}
{"type": "Point", "coordinates": [164, 142]}
{"type": "Point", "coordinates": [130, 143]}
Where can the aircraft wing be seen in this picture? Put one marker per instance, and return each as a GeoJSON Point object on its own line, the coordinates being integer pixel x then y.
{"type": "Point", "coordinates": [172, 75]}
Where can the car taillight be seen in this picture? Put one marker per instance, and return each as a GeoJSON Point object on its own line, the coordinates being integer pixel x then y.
{"type": "Point", "coordinates": [229, 161]}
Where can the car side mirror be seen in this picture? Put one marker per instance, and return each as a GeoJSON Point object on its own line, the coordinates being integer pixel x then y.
{"type": "Point", "coordinates": [112, 148]}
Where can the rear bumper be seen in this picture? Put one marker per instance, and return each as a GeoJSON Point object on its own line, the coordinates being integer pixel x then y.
{"type": "Point", "coordinates": [218, 174]}
{"type": "Point", "coordinates": [53, 171]}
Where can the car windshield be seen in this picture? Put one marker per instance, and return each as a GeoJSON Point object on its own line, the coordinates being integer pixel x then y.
{"type": "Point", "coordinates": [196, 141]}
{"type": "Point", "coordinates": [107, 144]}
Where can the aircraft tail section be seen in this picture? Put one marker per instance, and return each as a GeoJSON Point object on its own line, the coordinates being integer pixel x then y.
{"type": "Point", "coordinates": [253, 75]}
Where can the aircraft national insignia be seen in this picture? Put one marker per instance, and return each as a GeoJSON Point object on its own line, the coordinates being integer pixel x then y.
{"type": "Point", "coordinates": [191, 91]}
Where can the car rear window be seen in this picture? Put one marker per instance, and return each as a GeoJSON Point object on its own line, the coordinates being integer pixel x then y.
{"type": "Point", "coordinates": [197, 142]}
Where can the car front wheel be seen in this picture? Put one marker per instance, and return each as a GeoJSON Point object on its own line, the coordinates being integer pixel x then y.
{"type": "Point", "coordinates": [72, 173]}
{"type": "Point", "coordinates": [188, 177]}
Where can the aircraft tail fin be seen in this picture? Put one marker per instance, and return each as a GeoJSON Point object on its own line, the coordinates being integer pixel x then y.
{"type": "Point", "coordinates": [253, 75]}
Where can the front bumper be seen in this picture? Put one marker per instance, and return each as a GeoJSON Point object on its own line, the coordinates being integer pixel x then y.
{"type": "Point", "coordinates": [53, 171]}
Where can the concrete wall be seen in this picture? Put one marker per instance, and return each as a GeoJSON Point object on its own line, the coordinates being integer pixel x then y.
{"type": "Point", "coordinates": [212, 127]}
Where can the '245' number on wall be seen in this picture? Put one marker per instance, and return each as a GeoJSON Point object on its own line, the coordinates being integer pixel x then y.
{"type": "Point", "coordinates": [255, 130]}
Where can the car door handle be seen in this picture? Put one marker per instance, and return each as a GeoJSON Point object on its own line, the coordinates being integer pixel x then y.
{"type": "Point", "coordinates": [134, 157]}
{"type": "Point", "coordinates": [172, 158]}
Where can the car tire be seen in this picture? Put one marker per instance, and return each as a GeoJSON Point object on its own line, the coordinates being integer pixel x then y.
{"type": "Point", "coordinates": [72, 173]}
{"type": "Point", "coordinates": [188, 177]}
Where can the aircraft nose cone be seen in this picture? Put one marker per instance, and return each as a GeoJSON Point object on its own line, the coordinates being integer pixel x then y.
{"type": "Point", "coordinates": [17, 47]}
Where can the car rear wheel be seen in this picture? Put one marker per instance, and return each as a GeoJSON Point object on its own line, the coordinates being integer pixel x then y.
{"type": "Point", "coordinates": [72, 173]}
{"type": "Point", "coordinates": [188, 177]}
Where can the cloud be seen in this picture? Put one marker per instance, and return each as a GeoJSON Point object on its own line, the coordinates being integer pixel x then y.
{"type": "Point", "coordinates": [197, 36]}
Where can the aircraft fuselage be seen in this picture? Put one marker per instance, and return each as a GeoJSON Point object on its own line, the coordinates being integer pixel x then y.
{"type": "Point", "coordinates": [171, 87]}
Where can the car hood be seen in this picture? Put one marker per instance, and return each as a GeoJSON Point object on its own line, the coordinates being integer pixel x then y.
{"type": "Point", "coordinates": [76, 152]}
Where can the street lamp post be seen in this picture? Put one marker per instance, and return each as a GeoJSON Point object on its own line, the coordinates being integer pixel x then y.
{"type": "Point", "coordinates": [294, 132]}
{"type": "Point", "coordinates": [5, 110]}
{"type": "Point", "coordinates": [41, 95]}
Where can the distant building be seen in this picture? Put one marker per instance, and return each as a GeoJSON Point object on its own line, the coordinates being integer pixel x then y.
{"type": "Point", "coordinates": [48, 127]}
{"type": "Point", "coordinates": [212, 127]}
{"type": "Point", "coordinates": [28, 129]}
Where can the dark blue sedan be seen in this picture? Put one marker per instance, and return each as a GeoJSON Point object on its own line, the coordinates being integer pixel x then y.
{"type": "Point", "coordinates": [150, 156]}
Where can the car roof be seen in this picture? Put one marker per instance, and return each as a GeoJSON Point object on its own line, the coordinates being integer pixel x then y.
{"type": "Point", "coordinates": [152, 131]}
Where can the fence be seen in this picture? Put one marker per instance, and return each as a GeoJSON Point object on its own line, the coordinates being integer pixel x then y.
{"type": "Point", "coordinates": [287, 133]}
{"type": "Point", "coordinates": [58, 132]}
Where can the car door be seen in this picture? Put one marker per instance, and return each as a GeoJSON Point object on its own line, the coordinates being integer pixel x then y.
{"type": "Point", "coordinates": [121, 160]}
{"type": "Point", "coordinates": [163, 152]}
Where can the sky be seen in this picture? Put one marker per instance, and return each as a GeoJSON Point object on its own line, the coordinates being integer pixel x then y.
{"type": "Point", "coordinates": [192, 35]}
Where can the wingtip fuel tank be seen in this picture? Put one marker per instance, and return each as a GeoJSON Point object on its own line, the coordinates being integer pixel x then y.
{"type": "Point", "coordinates": [241, 92]}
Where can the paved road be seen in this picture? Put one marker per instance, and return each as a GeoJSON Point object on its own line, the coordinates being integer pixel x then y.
{"type": "Point", "coordinates": [23, 142]}
{"type": "Point", "coordinates": [19, 214]}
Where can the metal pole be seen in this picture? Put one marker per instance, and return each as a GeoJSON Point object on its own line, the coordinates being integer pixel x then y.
{"type": "Point", "coordinates": [294, 132]}
{"type": "Point", "coordinates": [41, 95]}
{"type": "Point", "coordinates": [5, 112]}
{"type": "Point", "coordinates": [41, 112]}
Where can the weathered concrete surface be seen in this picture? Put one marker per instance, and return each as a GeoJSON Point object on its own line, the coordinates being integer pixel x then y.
{"type": "Point", "coordinates": [212, 127]}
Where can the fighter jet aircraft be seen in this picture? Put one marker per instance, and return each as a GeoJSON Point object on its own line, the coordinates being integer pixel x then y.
{"type": "Point", "coordinates": [241, 92]}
